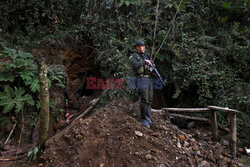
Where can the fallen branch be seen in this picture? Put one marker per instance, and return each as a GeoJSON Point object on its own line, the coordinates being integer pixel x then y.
{"type": "Point", "coordinates": [94, 102]}
{"type": "Point", "coordinates": [90, 108]}
{"type": "Point", "coordinates": [12, 159]}
{"type": "Point", "coordinates": [10, 134]}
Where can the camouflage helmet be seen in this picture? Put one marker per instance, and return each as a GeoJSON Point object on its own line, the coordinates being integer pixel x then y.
{"type": "Point", "coordinates": [139, 43]}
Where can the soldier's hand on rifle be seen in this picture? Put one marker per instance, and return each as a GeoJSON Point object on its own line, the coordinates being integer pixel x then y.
{"type": "Point", "coordinates": [149, 62]}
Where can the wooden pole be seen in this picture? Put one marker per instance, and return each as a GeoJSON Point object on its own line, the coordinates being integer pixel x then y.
{"type": "Point", "coordinates": [187, 109]}
{"type": "Point", "coordinates": [233, 133]}
{"type": "Point", "coordinates": [224, 109]}
{"type": "Point", "coordinates": [214, 124]}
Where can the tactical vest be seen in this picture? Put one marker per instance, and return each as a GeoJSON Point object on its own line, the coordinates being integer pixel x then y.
{"type": "Point", "coordinates": [139, 65]}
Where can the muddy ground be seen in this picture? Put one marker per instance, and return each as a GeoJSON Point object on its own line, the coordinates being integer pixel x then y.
{"type": "Point", "coordinates": [112, 136]}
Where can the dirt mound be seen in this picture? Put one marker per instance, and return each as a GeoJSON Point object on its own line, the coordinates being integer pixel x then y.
{"type": "Point", "coordinates": [113, 137]}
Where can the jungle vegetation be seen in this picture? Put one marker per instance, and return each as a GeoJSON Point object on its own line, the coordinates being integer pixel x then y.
{"type": "Point", "coordinates": [204, 59]}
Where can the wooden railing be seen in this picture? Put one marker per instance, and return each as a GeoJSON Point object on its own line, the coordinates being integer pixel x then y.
{"type": "Point", "coordinates": [213, 120]}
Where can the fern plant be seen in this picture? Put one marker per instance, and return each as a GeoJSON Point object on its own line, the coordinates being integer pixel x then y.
{"type": "Point", "coordinates": [14, 98]}
{"type": "Point", "coordinates": [18, 75]}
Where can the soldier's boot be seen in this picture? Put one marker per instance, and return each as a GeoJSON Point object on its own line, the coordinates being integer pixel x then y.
{"type": "Point", "coordinates": [148, 114]}
{"type": "Point", "coordinates": [143, 121]}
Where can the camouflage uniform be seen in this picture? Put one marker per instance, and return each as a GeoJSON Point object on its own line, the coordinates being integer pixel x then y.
{"type": "Point", "coordinates": [141, 68]}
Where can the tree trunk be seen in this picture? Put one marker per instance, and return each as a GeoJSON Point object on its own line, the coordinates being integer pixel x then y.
{"type": "Point", "coordinates": [44, 111]}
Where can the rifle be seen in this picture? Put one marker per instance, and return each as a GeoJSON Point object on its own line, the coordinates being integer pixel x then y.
{"type": "Point", "coordinates": [153, 69]}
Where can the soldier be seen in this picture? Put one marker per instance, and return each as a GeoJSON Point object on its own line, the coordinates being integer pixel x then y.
{"type": "Point", "coordinates": [141, 64]}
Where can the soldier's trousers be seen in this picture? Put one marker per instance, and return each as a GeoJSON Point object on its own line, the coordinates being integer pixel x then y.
{"type": "Point", "coordinates": [146, 94]}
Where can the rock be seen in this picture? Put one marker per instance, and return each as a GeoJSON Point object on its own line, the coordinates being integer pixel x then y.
{"type": "Point", "coordinates": [178, 144]}
{"type": "Point", "coordinates": [164, 128]}
{"type": "Point", "coordinates": [148, 156]}
{"type": "Point", "coordinates": [101, 165]}
{"type": "Point", "coordinates": [138, 133]}
{"type": "Point", "coordinates": [227, 159]}
{"type": "Point", "coordinates": [204, 164]}
{"type": "Point", "coordinates": [225, 143]}
{"type": "Point", "coordinates": [174, 137]}
{"type": "Point", "coordinates": [40, 165]}
{"type": "Point", "coordinates": [181, 137]}
{"type": "Point", "coordinates": [137, 153]}
{"type": "Point", "coordinates": [186, 144]}
{"type": "Point", "coordinates": [195, 148]}
{"type": "Point", "coordinates": [192, 140]}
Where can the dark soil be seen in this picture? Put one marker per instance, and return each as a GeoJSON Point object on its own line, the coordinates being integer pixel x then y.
{"type": "Point", "coordinates": [113, 136]}
{"type": "Point", "coordinates": [108, 138]}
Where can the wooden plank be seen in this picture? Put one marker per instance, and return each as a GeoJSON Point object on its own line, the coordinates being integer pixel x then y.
{"type": "Point", "coordinates": [187, 109]}
{"type": "Point", "coordinates": [224, 109]}
{"type": "Point", "coordinates": [233, 134]}
{"type": "Point", "coordinates": [214, 125]}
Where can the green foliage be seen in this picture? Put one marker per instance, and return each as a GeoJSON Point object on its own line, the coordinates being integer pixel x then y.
{"type": "Point", "coordinates": [229, 10]}
{"type": "Point", "coordinates": [205, 59]}
{"type": "Point", "coordinates": [34, 154]}
{"type": "Point", "coordinates": [21, 82]}
{"type": "Point", "coordinates": [109, 95]}
{"type": "Point", "coordinates": [14, 98]}
{"type": "Point", "coordinates": [18, 66]}
{"type": "Point", "coordinates": [128, 2]}
{"type": "Point", "coordinates": [31, 20]}
{"type": "Point", "coordinates": [56, 78]}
